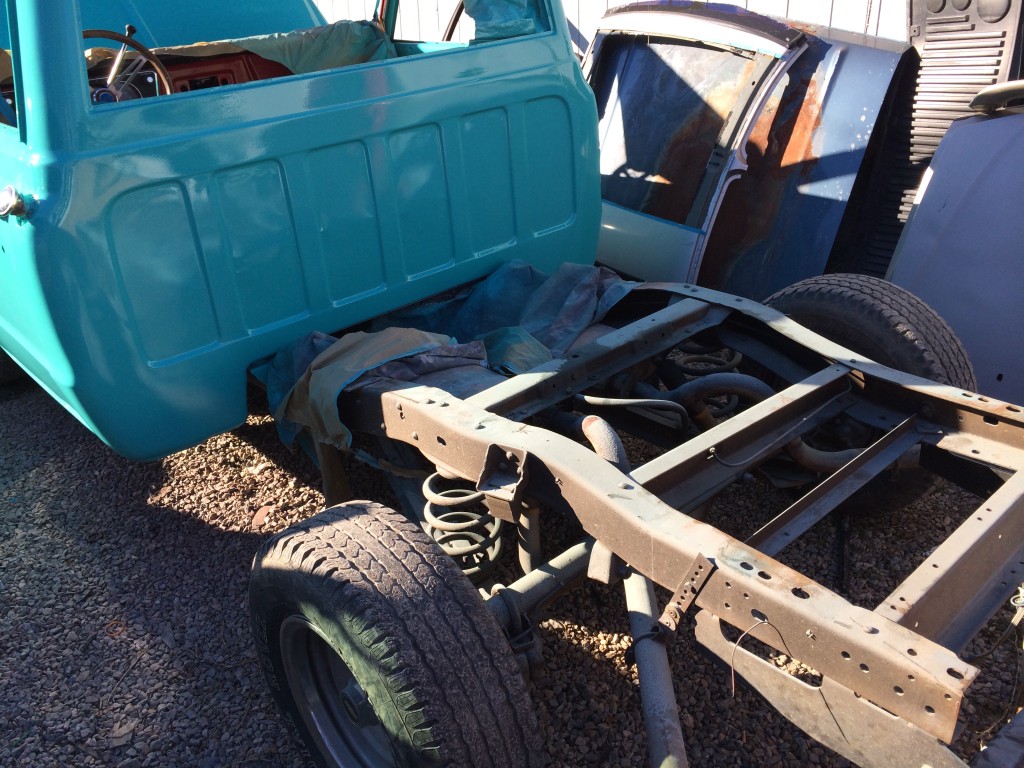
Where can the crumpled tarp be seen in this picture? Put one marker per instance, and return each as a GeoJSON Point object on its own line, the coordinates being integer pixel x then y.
{"type": "Point", "coordinates": [553, 309]}
{"type": "Point", "coordinates": [501, 19]}
{"type": "Point", "coordinates": [311, 401]}
{"type": "Point", "coordinates": [512, 321]}
{"type": "Point", "coordinates": [340, 44]}
{"type": "Point", "coordinates": [312, 50]}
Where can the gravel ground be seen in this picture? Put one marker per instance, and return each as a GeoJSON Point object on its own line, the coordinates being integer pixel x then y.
{"type": "Point", "coordinates": [124, 637]}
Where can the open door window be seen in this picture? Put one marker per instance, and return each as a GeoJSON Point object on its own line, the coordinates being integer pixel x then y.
{"type": "Point", "coordinates": [667, 111]}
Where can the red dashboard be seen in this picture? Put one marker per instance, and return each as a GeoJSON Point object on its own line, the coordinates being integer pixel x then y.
{"type": "Point", "coordinates": [196, 73]}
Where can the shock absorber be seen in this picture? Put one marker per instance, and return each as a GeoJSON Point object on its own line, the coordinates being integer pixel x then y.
{"type": "Point", "coordinates": [458, 521]}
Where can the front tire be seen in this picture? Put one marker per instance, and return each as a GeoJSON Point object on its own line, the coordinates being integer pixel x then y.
{"type": "Point", "coordinates": [380, 652]}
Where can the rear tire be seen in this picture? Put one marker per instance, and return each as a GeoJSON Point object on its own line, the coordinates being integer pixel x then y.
{"type": "Point", "coordinates": [893, 327]}
{"type": "Point", "coordinates": [880, 321]}
{"type": "Point", "coordinates": [380, 652]}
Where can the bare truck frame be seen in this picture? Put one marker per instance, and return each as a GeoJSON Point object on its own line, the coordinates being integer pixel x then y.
{"type": "Point", "coordinates": [217, 189]}
{"type": "Point", "coordinates": [891, 680]}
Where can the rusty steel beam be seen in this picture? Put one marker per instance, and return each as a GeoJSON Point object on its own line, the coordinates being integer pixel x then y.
{"type": "Point", "coordinates": [702, 465]}
{"type": "Point", "coordinates": [854, 647]}
{"type": "Point", "coordinates": [961, 585]}
{"type": "Point", "coordinates": [830, 713]}
{"type": "Point", "coordinates": [798, 518]}
{"type": "Point", "coordinates": [522, 396]}
{"type": "Point", "coordinates": [885, 682]}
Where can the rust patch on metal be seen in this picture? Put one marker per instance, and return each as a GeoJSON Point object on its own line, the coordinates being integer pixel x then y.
{"type": "Point", "coordinates": [779, 148]}
{"type": "Point", "coordinates": [684, 159]}
{"type": "Point", "coordinates": [799, 154]}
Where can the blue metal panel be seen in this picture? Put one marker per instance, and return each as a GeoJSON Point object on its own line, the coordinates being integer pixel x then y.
{"type": "Point", "coordinates": [549, 162]}
{"type": "Point", "coordinates": [421, 193]}
{"type": "Point", "coordinates": [961, 249]}
{"type": "Point", "coordinates": [490, 202]}
{"type": "Point", "coordinates": [351, 231]}
{"type": "Point", "coordinates": [836, 91]}
{"type": "Point", "coordinates": [258, 237]}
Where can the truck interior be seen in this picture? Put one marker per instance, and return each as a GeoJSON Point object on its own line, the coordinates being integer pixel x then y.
{"type": "Point", "coordinates": [126, 62]}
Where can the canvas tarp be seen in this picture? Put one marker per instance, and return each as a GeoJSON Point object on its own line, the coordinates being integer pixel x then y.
{"type": "Point", "coordinates": [512, 321]}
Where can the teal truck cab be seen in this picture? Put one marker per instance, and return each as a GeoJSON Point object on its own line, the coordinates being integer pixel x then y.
{"type": "Point", "coordinates": [396, 236]}
{"type": "Point", "coordinates": [238, 184]}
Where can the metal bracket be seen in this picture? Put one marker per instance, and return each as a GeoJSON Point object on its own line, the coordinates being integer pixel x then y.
{"type": "Point", "coordinates": [526, 644]}
{"type": "Point", "coordinates": [504, 475]}
{"type": "Point", "coordinates": [658, 632]}
{"type": "Point", "coordinates": [699, 572]}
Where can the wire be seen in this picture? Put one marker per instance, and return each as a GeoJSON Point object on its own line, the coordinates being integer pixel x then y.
{"type": "Point", "coordinates": [732, 657]}
{"type": "Point", "coordinates": [713, 451]}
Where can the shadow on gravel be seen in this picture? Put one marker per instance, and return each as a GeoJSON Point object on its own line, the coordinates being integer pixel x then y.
{"type": "Point", "coordinates": [123, 600]}
{"type": "Point", "coordinates": [262, 436]}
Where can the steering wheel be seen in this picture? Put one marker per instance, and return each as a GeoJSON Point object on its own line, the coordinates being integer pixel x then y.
{"type": "Point", "coordinates": [120, 78]}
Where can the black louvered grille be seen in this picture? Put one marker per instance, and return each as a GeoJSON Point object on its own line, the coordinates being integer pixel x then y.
{"type": "Point", "coordinates": [960, 55]}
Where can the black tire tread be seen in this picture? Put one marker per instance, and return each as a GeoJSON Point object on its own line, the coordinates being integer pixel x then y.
{"type": "Point", "coordinates": [871, 311]}
{"type": "Point", "coordinates": [891, 326]}
{"type": "Point", "coordinates": [446, 662]}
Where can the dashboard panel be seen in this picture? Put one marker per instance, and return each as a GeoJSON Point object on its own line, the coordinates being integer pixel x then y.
{"type": "Point", "coordinates": [193, 73]}
{"type": "Point", "coordinates": [190, 73]}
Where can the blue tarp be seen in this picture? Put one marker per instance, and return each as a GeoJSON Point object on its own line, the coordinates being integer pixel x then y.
{"type": "Point", "coordinates": [512, 321]}
{"type": "Point", "coordinates": [501, 19]}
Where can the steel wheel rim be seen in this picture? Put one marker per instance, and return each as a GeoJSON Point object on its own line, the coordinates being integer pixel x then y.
{"type": "Point", "coordinates": [331, 702]}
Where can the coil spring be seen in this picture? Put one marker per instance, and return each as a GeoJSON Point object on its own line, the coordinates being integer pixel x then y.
{"type": "Point", "coordinates": [456, 520]}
